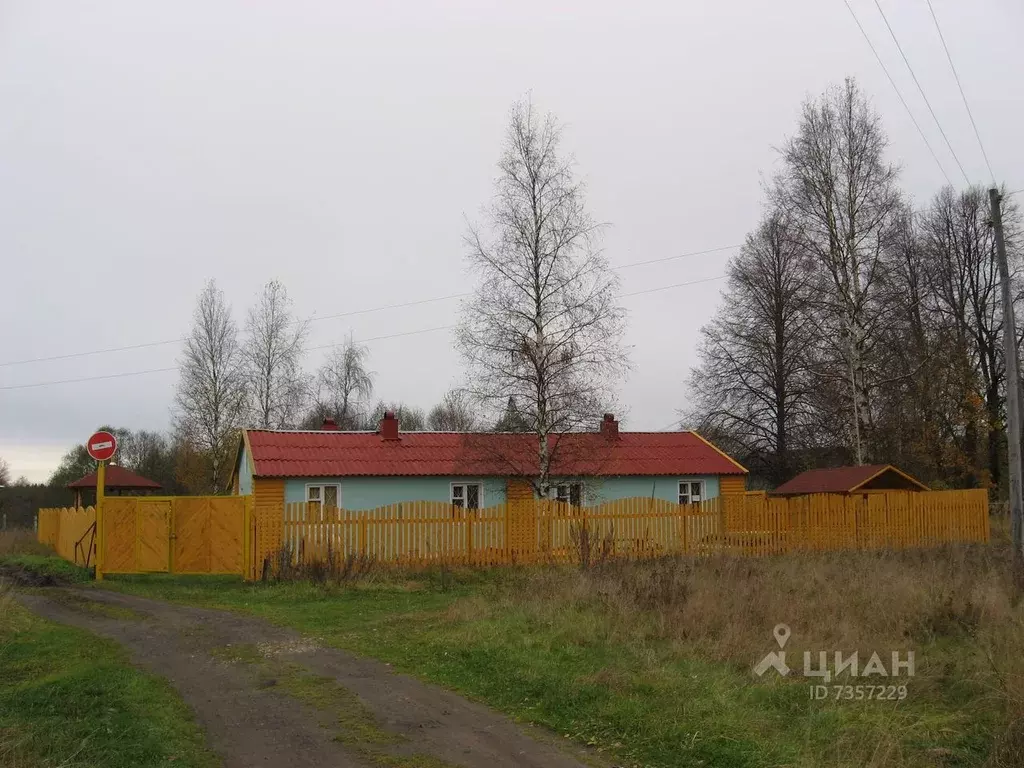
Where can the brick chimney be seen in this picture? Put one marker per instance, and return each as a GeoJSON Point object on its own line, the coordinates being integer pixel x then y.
{"type": "Point", "coordinates": [389, 426]}
{"type": "Point", "coordinates": [610, 427]}
{"type": "Point", "coordinates": [329, 425]}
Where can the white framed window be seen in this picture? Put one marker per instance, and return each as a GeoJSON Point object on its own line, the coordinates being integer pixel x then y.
{"type": "Point", "coordinates": [568, 493]}
{"type": "Point", "coordinates": [467, 495]}
{"type": "Point", "coordinates": [691, 491]}
{"type": "Point", "coordinates": [323, 496]}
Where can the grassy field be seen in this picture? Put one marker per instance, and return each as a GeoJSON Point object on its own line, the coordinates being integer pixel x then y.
{"type": "Point", "coordinates": [651, 662]}
{"type": "Point", "coordinates": [71, 699]}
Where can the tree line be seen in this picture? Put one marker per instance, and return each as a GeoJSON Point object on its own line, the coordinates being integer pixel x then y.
{"type": "Point", "coordinates": [855, 327]}
{"type": "Point", "coordinates": [541, 338]}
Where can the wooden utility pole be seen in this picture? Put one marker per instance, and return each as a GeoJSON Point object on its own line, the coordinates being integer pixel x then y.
{"type": "Point", "coordinates": [1012, 394]}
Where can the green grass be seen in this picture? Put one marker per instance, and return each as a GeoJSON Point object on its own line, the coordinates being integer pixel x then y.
{"type": "Point", "coordinates": [642, 698]}
{"type": "Point", "coordinates": [47, 565]}
{"type": "Point", "coordinates": [71, 699]}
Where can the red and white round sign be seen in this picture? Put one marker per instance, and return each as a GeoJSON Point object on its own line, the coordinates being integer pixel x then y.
{"type": "Point", "coordinates": [101, 446]}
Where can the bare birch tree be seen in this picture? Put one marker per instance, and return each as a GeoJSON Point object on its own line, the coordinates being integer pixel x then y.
{"type": "Point", "coordinates": [455, 413]}
{"type": "Point", "coordinates": [841, 196]}
{"type": "Point", "coordinates": [212, 393]}
{"type": "Point", "coordinates": [753, 386]}
{"type": "Point", "coordinates": [274, 344]}
{"type": "Point", "coordinates": [344, 385]}
{"type": "Point", "coordinates": [543, 325]}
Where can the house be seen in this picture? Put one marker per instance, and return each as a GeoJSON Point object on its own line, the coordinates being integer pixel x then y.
{"type": "Point", "coordinates": [365, 470]}
{"type": "Point", "coordinates": [862, 479]}
{"type": "Point", "coordinates": [117, 482]}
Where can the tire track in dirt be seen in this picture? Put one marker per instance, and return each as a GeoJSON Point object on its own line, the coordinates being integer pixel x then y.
{"type": "Point", "coordinates": [268, 696]}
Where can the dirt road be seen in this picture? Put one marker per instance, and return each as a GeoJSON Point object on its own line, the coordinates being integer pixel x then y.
{"type": "Point", "coordinates": [269, 697]}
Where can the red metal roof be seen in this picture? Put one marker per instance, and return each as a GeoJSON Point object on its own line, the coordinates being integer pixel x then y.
{"type": "Point", "coordinates": [836, 479]}
{"type": "Point", "coordinates": [116, 477]}
{"type": "Point", "coordinates": [337, 454]}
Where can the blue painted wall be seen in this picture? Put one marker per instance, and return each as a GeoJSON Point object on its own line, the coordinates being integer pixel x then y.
{"type": "Point", "coordinates": [370, 492]}
{"type": "Point", "coordinates": [244, 474]}
{"type": "Point", "coordinates": [661, 487]}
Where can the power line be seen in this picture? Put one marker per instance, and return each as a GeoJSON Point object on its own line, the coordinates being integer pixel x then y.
{"type": "Point", "coordinates": [165, 370]}
{"type": "Point", "coordinates": [898, 94]}
{"type": "Point", "coordinates": [676, 285]}
{"type": "Point", "coordinates": [389, 336]}
{"type": "Point", "coordinates": [88, 378]}
{"type": "Point", "coordinates": [963, 96]}
{"type": "Point", "coordinates": [336, 315]}
{"type": "Point", "coordinates": [921, 90]}
{"type": "Point", "coordinates": [310, 349]}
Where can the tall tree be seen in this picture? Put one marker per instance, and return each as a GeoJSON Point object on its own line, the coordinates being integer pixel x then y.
{"type": "Point", "coordinates": [543, 325]}
{"type": "Point", "coordinates": [274, 344]}
{"type": "Point", "coordinates": [959, 248]}
{"type": "Point", "coordinates": [211, 399]}
{"type": "Point", "coordinates": [5, 472]}
{"type": "Point", "coordinates": [455, 413]}
{"type": "Point", "coordinates": [841, 196]}
{"type": "Point", "coordinates": [925, 407]}
{"type": "Point", "coordinates": [754, 385]}
{"type": "Point", "coordinates": [344, 384]}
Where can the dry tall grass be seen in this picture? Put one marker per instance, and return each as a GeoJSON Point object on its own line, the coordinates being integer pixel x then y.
{"type": "Point", "coordinates": [21, 541]}
{"type": "Point", "coordinates": [954, 607]}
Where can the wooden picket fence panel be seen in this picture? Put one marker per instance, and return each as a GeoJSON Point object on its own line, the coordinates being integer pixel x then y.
{"type": "Point", "coordinates": [153, 534]}
{"type": "Point", "coordinates": [419, 533]}
{"type": "Point", "coordinates": [70, 531]}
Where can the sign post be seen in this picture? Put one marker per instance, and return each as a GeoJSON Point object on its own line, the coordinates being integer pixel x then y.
{"type": "Point", "coordinates": [101, 447]}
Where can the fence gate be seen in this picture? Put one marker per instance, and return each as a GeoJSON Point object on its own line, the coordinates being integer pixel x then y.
{"type": "Point", "coordinates": [185, 534]}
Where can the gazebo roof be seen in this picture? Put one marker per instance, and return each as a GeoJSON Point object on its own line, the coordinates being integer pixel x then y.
{"type": "Point", "coordinates": [845, 480]}
{"type": "Point", "coordinates": [117, 477]}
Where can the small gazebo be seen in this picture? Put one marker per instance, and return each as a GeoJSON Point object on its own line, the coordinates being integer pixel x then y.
{"type": "Point", "coordinates": [118, 482]}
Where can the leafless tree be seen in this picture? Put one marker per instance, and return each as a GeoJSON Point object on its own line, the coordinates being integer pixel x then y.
{"type": "Point", "coordinates": [754, 386]}
{"type": "Point", "coordinates": [273, 349]}
{"type": "Point", "coordinates": [841, 196]}
{"type": "Point", "coordinates": [344, 384]}
{"type": "Point", "coordinates": [959, 248]}
{"type": "Point", "coordinates": [5, 473]}
{"type": "Point", "coordinates": [543, 325]}
{"type": "Point", "coordinates": [455, 413]}
{"type": "Point", "coordinates": [212, 393]}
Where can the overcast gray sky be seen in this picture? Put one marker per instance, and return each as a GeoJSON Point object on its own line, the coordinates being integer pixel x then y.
{"type": "Point", "coordinates": [147, 147]}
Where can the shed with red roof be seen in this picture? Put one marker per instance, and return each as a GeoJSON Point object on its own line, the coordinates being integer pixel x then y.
{"type": "Point", "coordinates": [118, 481]}
{"type": "Point", "coordinates": [363, 470]}
{"type": "Point", "coordinates": [864, 478]}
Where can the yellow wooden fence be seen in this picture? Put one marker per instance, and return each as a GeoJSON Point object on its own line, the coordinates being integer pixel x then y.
{"type": "Point", "coordinates": [71, 532]}
{"type": "Point", "coordinates": [423, 532]}
{"type": "Point", "coordinates": [224, 534]}
{"type": "Point", "coordinates": [146, 534]}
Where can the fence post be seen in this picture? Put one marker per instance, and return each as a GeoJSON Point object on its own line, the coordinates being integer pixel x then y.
{"type": "Point", "coordinates": [684, 522]}
{"type": "Point", "coordinates": [247, 558]}
{"type": "Point", "coordinates": [469, 537]}
{"type": "Point", "coordinates": [362, 535]}
{"type": "Point", "coordinates": [721, 524]}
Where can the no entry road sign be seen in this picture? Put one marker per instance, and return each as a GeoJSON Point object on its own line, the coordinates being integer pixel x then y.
{"type": "Point", "coordinates": [101, 446]}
